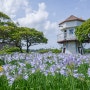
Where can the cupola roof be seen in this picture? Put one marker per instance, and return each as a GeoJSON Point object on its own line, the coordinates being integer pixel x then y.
{"type": "Point", "coordinates": [72, 18]}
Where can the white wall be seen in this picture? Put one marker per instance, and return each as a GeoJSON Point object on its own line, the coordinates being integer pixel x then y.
{"type": "Point", "coordinates": [70, 47]}
{"type": "Point", "coordinates": [70, 24]}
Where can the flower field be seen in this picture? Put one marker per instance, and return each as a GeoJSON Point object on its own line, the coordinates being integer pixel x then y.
{"type": "Point", "coordinates": [48, 71]}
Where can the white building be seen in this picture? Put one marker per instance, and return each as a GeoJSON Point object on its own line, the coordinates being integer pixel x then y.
{"type": "Point", "coordinates": [70, 43]}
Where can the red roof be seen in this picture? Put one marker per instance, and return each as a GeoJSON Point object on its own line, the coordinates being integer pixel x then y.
{"type": "Point", "coordinates": [72, 18]}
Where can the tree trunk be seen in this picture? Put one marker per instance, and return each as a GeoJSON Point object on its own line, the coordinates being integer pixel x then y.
{"type": "Point", "coordinates": [21, 49]}
{"type": "Point", "coordinates": [27, 50]}
{"type": "Point", "coordinates": [19, 46]}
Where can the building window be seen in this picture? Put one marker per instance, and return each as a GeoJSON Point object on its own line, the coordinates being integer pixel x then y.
{"type": "Point", "coordinates": [65, 34]}
{"type": "Point", "coordinates": [71, 31]}
{"type": "Point", "coordinates": [64, 50]}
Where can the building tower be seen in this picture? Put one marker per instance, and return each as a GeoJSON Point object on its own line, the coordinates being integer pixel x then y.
{"type": "Point", "coordinates": [67, 38]}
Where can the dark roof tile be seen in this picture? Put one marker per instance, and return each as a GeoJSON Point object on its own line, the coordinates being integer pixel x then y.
{"type": "Point", "coordinates": [72, 18]}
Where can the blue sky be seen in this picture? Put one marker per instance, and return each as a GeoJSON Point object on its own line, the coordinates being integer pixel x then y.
{"type": "Point", "coordinates": [45, 15]}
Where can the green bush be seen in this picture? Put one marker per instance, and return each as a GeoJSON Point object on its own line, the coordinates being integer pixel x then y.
{"type": "Point", "coordinates": [87, 50]}
{"type": "Point", "coordinates": [2, 62]}
{"type": "Point", "coordinates": [56, 50]}
{"type": "Point", "coordinates": [47, 50]}
{"type": "Point", "coordinates": [43, 50]}
{"type": "Point", "coordinates": [13, 49]}
{"type": "Point", "coordinates": [7, 49]}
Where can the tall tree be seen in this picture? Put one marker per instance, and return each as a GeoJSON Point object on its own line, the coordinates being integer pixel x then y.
{"type": "Point", "coordinates": [82, 32]}
{"type": "Point", "coordinates": [16, 37]}
{"type": "Point", "coordinates": [19, 36]}
{"type": "Point", "coordinates": [31, 37]}
{"type": "Point", "coordinates": [4, 16]}
{"type": "Point", "coordinates": [5, 33]}
{"type": "Point", "coordinates": [6, 27]}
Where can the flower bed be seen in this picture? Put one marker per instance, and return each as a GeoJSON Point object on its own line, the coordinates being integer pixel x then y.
{"type": "Point", "coordinates": [46, 71]}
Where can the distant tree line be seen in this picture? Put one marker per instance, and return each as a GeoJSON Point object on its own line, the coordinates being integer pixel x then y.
{"type": "Point", "coordinates": [11, 33]}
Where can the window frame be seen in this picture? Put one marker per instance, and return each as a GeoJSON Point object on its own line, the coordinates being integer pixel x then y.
{"type": "Point", "coordinates": [71, 31]}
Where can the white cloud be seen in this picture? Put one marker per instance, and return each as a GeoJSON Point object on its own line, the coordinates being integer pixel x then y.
{"type": "Point", "coordinates": [34, 17]}
{"type": "Point", "coordinates": [50, 25]}
{"type": "Point", "coordinates": [11, 7]}
{"type": "Point", "coordinates": [38, 19]}
{"type": "Point", "coordinates": [42, 6]}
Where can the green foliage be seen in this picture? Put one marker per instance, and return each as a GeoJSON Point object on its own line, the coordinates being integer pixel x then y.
{"type": "Point", "coordinates": [4, 16]}
{"type": "Point", "coordinates": [38, 81]}
{"type": "Point", "coordinates": [43, 50]}
{"type": "Point", "coordinates": [7, 49]}
{"type": "Point", "coordinates": [13, 62]}
{"type": "Point", "coordinates": [11, 24]}
{"type": "Point", "coordinates": [2, 62]}
{"type": "Point", "coordinates": [13, 49]}
{"type": "Point", "coordinates": [5, 33]}
{"type": "Point", "coordinates": [11, 33]}
{"type": "Point", "coordinates": [19, 84]}
{"type": "Point", "coordinates": [82, 31]}
{"type": "Point", "coordinates": [6, 28]}
{"type": "Point", "coordinates": [48, 50]}
{"type": "Point", "coordinates": [28, 66]}
{"type": "Point", "coordinates": [8, 23]}
{"type": "Point", "coordinates": [87, 50]}
{"type": "Point", "coordinates": [4, 83]}
{"type": "Point", "coordinates": [83, 68]}
{"type": "Point", "coordinates": [30, 36]}
{"type": "Point", "coordinates": [56, 50]}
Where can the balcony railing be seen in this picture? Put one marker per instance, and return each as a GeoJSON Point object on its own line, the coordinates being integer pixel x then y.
{"type": "Point", "coordinates": [62, 37]}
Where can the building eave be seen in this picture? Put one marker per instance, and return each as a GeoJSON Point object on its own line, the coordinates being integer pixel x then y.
{"type": "Point", "coordinates": [63, 41]}
{"type": "Point", "coordinates": [72, 18]}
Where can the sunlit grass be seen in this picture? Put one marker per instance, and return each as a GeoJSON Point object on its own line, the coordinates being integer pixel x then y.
{"type": "Point", "coordinates": [39, 81]}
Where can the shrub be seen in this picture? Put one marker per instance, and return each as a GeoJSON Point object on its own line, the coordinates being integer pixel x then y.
{"type": "Point", "coordinates": [2, 62]}
{"type": "Point", "coordinates": [87, 50]}
{"type": "Point", "coordinates": [7, 49]}
{"type": "Point", "coordinates": [13, 49]}
{"type": "Point", "coordinates": [56, 50]}
{"type": "Point", "coordinates": [43, 50]}
{"type": "Point", "coordinates": [47, 50]}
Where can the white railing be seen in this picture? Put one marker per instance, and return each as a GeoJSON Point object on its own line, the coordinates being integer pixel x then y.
{"type": "Point", "coordinates": [61, 37]}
